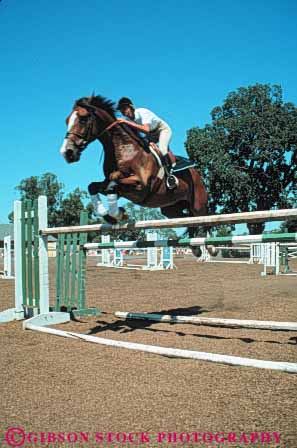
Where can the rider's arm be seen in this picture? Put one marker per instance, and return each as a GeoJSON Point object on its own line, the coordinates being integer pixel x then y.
{"type": "Point", "coordinates": [141, 127]}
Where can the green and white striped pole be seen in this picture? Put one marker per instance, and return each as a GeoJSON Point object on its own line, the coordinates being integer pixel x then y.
{"type": "Point", "coordinates": [207, 241]}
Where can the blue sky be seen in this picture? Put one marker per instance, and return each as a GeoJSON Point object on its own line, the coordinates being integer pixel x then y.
{"type": "Point", "coordinates": [180, 59]}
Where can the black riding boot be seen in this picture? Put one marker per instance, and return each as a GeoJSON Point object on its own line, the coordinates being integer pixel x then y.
{"type": "Point", "coordinates": [171, 179]}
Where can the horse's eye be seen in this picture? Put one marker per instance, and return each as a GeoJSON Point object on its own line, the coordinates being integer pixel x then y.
{"type": "Point", "coordinates": [83, 120]}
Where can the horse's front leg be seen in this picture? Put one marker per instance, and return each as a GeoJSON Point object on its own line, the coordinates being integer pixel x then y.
{"type": "Point", "coordinates": [117, 177]}
{"type": "Point", "coordinates": [114, 211]}
{"type": "Point", "coordinates": [94, 189]}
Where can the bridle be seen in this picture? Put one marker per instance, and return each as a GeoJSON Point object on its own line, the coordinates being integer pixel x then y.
{"type": "Point", "coordinates": [87, 136]}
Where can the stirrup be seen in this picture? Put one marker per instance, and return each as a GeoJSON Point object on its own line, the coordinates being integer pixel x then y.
{"type": "Point", "coordinates": [171, 181]}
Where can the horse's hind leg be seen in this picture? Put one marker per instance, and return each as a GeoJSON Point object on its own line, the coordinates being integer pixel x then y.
{"type": "Point", "coordinates": [181, 210]}
{"type": "Point", "coordinates": [178, 210]}
{"type": "Point", "coordinates": [201, 231]}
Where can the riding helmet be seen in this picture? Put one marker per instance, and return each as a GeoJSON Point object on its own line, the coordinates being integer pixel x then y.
{"type": "Point", "coordinates": [124, 102]}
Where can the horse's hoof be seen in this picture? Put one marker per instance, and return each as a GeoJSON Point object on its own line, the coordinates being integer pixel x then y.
{"type": "Point", "coordinates": [109, 219]}
{"type": "Point", "coordinates": [212, 250]}
{"type": "Point", "coordinates": [123, 215]}
{"type": "Point", "coordinates": [196, 251]}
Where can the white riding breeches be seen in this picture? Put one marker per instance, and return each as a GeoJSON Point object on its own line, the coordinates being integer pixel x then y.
{"type": "Point", "coordinates": [162, 134]}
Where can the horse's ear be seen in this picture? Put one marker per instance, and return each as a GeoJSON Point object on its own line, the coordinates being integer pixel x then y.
{"type": "Point", "coordinates": [82, 111]}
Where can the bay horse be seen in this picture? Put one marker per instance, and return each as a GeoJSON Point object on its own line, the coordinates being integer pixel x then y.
{"type": "Point", "coordinates": [131, 169]}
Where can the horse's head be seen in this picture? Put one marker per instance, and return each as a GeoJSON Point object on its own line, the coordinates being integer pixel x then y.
{"type": "Point", "coordinates": [85, 123]}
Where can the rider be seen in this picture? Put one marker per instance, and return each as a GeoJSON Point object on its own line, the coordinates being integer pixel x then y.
{"type": "Point", "coordinates": [157, 129]}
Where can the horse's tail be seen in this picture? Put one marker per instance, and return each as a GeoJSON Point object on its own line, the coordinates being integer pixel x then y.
{"type": "Point", "coordinates": [199, 194]}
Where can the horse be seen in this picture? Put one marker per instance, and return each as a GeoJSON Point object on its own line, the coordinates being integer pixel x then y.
{"type": "Point", "coordinates": [132, 169]}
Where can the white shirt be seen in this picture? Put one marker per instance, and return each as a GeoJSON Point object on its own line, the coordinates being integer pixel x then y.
{"type": "Point", "coordinates": [146, 116]}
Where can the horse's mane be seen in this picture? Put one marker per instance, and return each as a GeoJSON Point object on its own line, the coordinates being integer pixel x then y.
{"type": "Point", "coordinates": [98, 101]}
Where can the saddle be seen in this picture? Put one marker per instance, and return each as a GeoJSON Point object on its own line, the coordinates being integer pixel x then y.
{"type": "Point", "coordinates": [179, 163]}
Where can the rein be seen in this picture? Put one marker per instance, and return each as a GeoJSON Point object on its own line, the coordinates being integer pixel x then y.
{"type": "Point", "coordinates": [111, 125]}
{"type": "Point", "coordinates": [88, 132]}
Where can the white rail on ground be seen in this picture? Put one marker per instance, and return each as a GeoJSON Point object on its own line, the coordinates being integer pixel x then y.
{"type": "Point", "coordinates": [211, 321]}
{"type": "Point", "coordinates": [170, 352]}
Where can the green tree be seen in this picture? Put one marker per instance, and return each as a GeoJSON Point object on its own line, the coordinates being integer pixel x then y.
{"type": "Point", "coordinates": [47, 184]}
{"type": "Point", "coordinates": [289, 226]}
{"type": "Point", "coordinates": [62, 210]}
{"type": "Point", "coordinates": [248, 154]}
{"type": "Point", "coordinates": [70, 208]}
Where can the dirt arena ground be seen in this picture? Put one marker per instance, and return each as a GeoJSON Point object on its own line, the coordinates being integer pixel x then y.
{"type": "Point", "coordinates": [59, 388]}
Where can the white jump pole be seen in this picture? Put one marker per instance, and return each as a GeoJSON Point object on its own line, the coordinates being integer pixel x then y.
{"type": "Point", "coordinates": [105, 253]}
{"type": "Point", "coordinates": [169, 352]}
{"type": "Point", "coordinates": [152, 252]}
{"type": "Point", "coordinates": [232, 218]}
{"type": "Point", "coordinates": [271, 258]}
{"type": "Point", "coordinates": [7, 272]}
{"type": "Point", "coordinates": [211, 321]}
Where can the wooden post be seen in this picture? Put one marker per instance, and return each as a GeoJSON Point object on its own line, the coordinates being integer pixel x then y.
{"type": "Point", "coordinates": [43, 256]}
